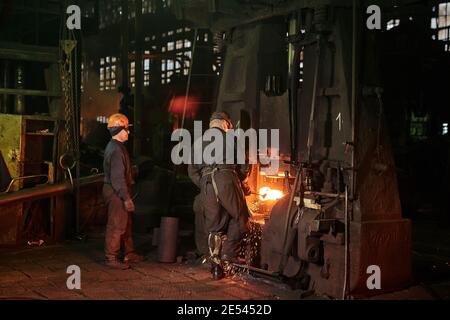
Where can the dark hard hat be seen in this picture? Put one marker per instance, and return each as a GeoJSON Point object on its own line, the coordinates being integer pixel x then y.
{"type": "Point", "coordinates": [221, 115]}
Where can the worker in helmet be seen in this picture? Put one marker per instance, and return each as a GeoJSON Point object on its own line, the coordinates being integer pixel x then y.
{"type": "Point", "coordinates": [117, 194]}
{"type": "Point", "coordinates": [221, 200]}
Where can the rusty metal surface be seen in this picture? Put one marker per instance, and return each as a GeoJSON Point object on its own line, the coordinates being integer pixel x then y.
{"type": "Point", "coordinates": [47, 191]}
{"type": "Point", "coordinates": [11, 143]}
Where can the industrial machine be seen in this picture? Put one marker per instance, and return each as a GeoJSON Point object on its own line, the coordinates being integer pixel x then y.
{"type": "Point", "coordinates": [309, 68]}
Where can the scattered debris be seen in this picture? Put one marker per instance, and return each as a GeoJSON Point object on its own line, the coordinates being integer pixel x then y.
{"type": "Point", "coordinates": [36, 243]}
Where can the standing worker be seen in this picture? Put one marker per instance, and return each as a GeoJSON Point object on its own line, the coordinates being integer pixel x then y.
{"type": "Point", "coordinates": [117, 195]}
{"type": "Point", "coordinates": [222, 200]}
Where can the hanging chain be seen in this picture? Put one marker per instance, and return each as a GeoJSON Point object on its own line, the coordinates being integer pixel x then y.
{"type": "Point", "coordinates": [66, 80]}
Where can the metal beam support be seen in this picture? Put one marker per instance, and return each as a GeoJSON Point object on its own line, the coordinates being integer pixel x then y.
{"type": "Point", "coordinates": [47, 191]}
{"type": "Point", "coordinates": [138, 98]}
{"type": "Point", "coordinates": [28, 92]}
{"type": "Point", "coordinates": [15, 51]}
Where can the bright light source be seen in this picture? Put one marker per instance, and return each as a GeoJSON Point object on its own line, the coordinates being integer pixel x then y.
{"type": "Point", "coordinates": [444, 128]}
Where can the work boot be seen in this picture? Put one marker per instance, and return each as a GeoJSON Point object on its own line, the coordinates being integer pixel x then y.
{"type": "Point", "coordinates": [116, 264]}
{"type": "Point", "coordinates": [217, 271]}
{"type": "Point", "coordinates": [133, 258]}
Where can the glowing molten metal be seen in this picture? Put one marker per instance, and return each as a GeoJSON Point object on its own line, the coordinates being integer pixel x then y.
{"type": "Point", "coordinates": [265, 193]}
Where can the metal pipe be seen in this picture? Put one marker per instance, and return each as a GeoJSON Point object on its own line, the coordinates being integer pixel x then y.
{"type": "Point", "coordinates": [188, 85]}
{"type": "Point", "coordinates": [124, 43]}
{"type": "Point", "coordinates": [298, 178]}
{"type": "Point", "coordinates": [313, 102]}
{"type": "Point", "coordinates": [353, 105]}
{"type": "Point", "coordinates": [139, 71]}
{"type": "Point", "coordinates": [51, 190]}
{"type": "Point", "coordinates": [344, 290]}
{"type": "Point", "coordinates": [293, 71]}
{"type": "Point", "coordinates": [19, 83]}
{"type": "Point", "coordinates": [326, 194]}
{"type": "Point", "coordinates": [29, 92]}
{"type": "Point", "coordinates": [244, 266]}
{"type": "Point", "coordinates": [5, 83]}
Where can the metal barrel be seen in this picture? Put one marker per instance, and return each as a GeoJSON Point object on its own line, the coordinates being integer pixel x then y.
{"type": "Point", "coordinates": [168, 235]}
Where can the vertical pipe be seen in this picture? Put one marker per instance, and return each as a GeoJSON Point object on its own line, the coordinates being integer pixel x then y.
{"type": "Point", "coordinates": [353, 105]}
{"type": "Point", "coordinates": [293, 66]}
{"type": "Point", "coordinates": [124, 44]}
{"type": "Point", "coordinates": [5, 84]}
{"type": "Point", "coordinates": [188, 86]}
{"type": "Point", "coordinates": [310, 141]}
{"type": "Point", "coordinates": [19, 83]}
{"type": "Point", "coordinates": [138, 98]}
{"type": "Point", "coordinates": [344, 290]}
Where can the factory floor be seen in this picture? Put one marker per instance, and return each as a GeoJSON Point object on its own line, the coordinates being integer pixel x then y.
{"type": "Point", "coordinates": [39, 272]}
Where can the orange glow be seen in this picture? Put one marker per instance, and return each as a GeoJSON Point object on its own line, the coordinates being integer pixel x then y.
{"type": "Point", "coordinates": [266, 193]}
{"type": "Point", "coordinates": [176, 106]}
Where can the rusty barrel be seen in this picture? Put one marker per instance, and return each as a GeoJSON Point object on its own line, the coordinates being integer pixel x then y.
{"type": "Point", "coordinates": [168, 236]}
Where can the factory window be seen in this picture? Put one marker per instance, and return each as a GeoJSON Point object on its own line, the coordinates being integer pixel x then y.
{"type": "Point", "coordinates": [301, 67]}
{"type": "Point", "coordinates": [392, 24]}
{"type": "Point", "coordinates": [418, 127]}
{"type": "Point", "coordinates": [102, 119]}
{"type": "Point", "coordinates": [179, 30]}
{"type": "Point", "coordinates": [133, 74]}
{"type": "Point", "coordinates": [108, 73]}
{"type": "Point", "coordinates": [146, 70]}
{"type": "Point", "coordinates": [109, 12]}
{"type": "Point", "coordinates": [166, 3]}
{"type": "Point", "coordinates": [444, 128]}
{"type": "Point", "coordinates": [179, 44]}
{"type": "Point", "coordinates": [148, 6]}
{"type": "Point", "coordinates": [441, 23]}
{"type": "Point", "coordinates": [88, 10]}
{"type": "Point", "coordinates": [205, 37]}
{"type": "Point", "coordinates": [170, 46]}
{"type": "Point", "coordinates": [82, 74]}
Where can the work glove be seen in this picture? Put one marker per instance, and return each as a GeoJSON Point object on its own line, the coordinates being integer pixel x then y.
{"type": "Point", "coordinates": [129, 205]}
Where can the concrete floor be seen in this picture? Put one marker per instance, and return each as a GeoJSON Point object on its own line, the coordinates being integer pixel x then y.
{"type": "Point", "coordinates": [40, 273]}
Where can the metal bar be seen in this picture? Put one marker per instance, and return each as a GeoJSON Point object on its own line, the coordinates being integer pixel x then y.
{"type": "Point", "coordinates": [346, 273]}
{"type": "Point", "coordinates": [353, 102]}
{"type": "Point", "coordinates": [47, 191]}
{"type": "Point", "coordinates": [29, 92]}
{"type": "Point", "coordinates": [14, 51]}
{"type": "Point", "coordinates": [269, 273]}
{"type": "Point", "coordinates": [188, 85]}
{"type": "Point", "coordinates": [124, 42]}
{"type": "Point", "coordinates": [139, 72]}
{"type": "Point", "coordinates": [326, 194]}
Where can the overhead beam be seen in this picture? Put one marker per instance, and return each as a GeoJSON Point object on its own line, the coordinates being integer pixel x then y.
{"type": "Point", "coordinates": [16, 51]}
{"type": "Point", "coordinates": [28, 92]}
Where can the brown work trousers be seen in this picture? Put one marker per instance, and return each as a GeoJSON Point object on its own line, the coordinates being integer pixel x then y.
{"type": "Point", "coordinates": [118, 228]}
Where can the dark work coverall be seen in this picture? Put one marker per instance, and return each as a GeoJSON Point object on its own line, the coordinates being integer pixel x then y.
{"type": "Point", "coordinates": [226, 212]}
{"type": "Point", "coordinates": [117, 189]}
